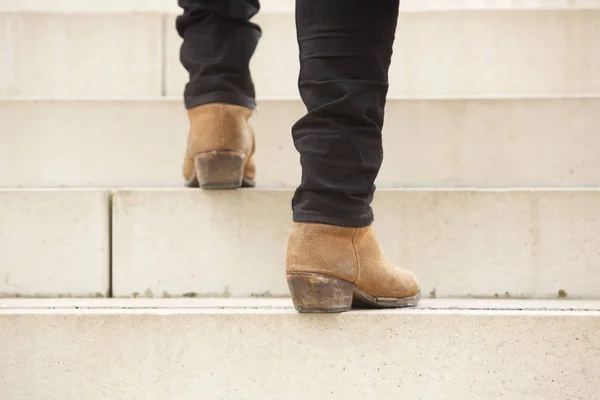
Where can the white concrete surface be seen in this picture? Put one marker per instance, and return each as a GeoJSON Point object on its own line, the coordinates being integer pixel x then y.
{"type": "Point", "coordinates": [96, 54]}
{"type": "Point", "coordinates": [428, 143]}
{"type": "Point", "coordinates": [236, 305]}
{"type": "Point", "coordinates": [458, 53]}
{"type": "Point", "coordinates": [72, 55]}
{"type": "Point", "coordinates": [471, 243]}
{"type": "Point", "coordinates": [281, 6]}
{"type": "Point", "coordinates": [208, 244]}
{"type": "Point", "coordinates": [265, 353]}
{"type": "Point", "coordinates": [54, 242]}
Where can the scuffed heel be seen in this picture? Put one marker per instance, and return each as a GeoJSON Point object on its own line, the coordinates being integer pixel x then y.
{"type": "Point", "coordinates": [316, 293]}
{"type": "Point", "coordinates": [220, 169]}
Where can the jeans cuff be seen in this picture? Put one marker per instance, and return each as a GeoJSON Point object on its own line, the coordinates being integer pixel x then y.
{"type": "Point", "coordinates": [220, 97]}
{"type": "Point", "coordinates": [349, 221]}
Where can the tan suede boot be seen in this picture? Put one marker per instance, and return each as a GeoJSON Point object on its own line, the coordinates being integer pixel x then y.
{"type": "Point", "coordinates": [330, 268]}
{"type": "Point", "coordinates": [220, 147]}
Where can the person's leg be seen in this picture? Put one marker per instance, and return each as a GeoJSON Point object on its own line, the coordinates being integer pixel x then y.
{"type": "Point", "coordinates": [334, 259]}
{"type": "Point", "coordinates": [345, 52]}
{"type": "Point", "coordinates": [218, 43]}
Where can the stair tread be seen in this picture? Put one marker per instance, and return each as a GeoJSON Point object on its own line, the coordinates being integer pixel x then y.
{"type": "Point", "coordinates": [274, 353]}
{"type": "Point", "coordinates": [253, 305]}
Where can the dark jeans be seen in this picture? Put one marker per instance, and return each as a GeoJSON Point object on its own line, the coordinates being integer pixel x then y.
{"type": "Point", "coordinates": [345, 52]}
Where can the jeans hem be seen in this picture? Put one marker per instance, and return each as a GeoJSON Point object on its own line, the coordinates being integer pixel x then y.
{"type": "Point", "coordinates": [220, 97]}
{"type": "Point", "coordinates": [348, 221]}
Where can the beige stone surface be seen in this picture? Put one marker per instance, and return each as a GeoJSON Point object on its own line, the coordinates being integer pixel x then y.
{"type": "Point", "coordinates": [264, 354]}
{"type": "Point", "coordinates": [54, 243]}
{"type": "Point", "coordinates": [80, 55]}
{"type": "Point", "coordinates": [428, 143]}
{"type": "Point", "coordinates": [460, 53]}
{"type": "Point", "coordinates": [531, 243]}
{"type": "Point", "coordinates": [545, 48]}
{"type": "Point", "coordinates": [199, 243]}
{"type": "Point", "coordinates": [265, 305]}
{"type": "Point", "coordinates": [460, 243]}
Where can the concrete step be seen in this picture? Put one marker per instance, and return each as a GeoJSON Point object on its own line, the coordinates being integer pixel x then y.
{"type": "Point", "coordinates": [282, 6]}
{"type": "Point", "coordinates": [447, 54]}
{"type": "Point", "coordinates": [461, 243]}
{"type": "Point", "coordinates": [263, 350]}
{"type": "Point", "coordinates": [187, 243]}
{"type": "Point", "coordinates": [54, 242]}
{"type": "Point", "coordinates": [467, 142]}
{"type": "Point", "coordinates": [542, 51]}
{"type": "Point", "coordinates": [70, 55]}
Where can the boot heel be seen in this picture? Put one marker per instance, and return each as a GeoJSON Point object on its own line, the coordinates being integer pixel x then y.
{"type": "Point", "coordinates": [316, 293]}
{"type": "Point", "coordinates": [220, 169]}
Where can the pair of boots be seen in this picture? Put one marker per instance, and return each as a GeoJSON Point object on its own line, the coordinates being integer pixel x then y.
{"type": "Point", "coordinates": [329, 268]}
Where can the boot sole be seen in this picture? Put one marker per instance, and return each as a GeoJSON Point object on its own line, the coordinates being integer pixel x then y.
{"type": "Point", "coordinates": [220, 169]}
{"type": "Point", "coordinates": [317, 293]}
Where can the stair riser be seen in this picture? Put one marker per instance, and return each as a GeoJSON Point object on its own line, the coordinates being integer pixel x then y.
{"type": "Point", "coordinates": [428, 143]}
{"type": "Point", "coordinates": [63, 55]}
{"type": "Point", "coordinates": [447, 54]}
{"type": "Point", "coordinates": [435, 54]}
{"type": "Point", "coordinates": [54, 243]}
{"type": "Point", "coordinates": [530, 244]}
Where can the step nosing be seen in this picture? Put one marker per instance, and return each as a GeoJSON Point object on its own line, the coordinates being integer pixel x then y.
{"type": "Point", "coordinates": [266, 308]}
{"type": "Point", "coordinates": [542, 309]}
{"type": "Point", "coordinates": [288, 99]}
{"type": "Point", "coordinates": [283, 8]}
